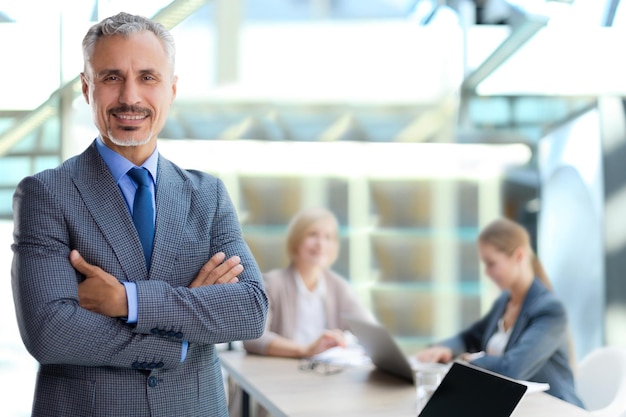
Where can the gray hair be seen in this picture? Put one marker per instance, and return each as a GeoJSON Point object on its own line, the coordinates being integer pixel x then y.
{"type": "Point", "coordinates": [124, 24]}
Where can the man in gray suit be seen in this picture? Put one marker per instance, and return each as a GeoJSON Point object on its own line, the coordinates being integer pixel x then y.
{"type": "Point", "coordinates": [119, 326]}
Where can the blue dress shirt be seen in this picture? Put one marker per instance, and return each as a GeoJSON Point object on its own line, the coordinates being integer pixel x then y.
{"type": "Point", "coordinates": [119, 166]}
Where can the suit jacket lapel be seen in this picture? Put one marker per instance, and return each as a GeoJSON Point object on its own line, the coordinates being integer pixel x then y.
{"type": "Point", "coordinates": [173, 196]}
{"type": "Point", "coordinates": [523, 317]}
{"type": "Point", "coordinates": [105, 202]}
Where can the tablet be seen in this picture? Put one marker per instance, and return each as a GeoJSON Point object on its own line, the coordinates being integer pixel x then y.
{"type": "Point", "coordinates": [468, 390]}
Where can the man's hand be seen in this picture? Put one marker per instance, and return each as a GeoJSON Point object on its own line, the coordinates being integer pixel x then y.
{"type": "Point", "coordinates": [100, 292]}
{"type": "Point", "coordinates": [218, 271]}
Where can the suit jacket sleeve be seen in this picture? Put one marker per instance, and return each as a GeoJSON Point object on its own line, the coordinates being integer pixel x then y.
{"type": "Point", "coordinates": [54, 328]}
{"type": "Point", "coordinates": [210, 314]}
{"type": "Point", "coordinates": [539, 332]}
{"type": "Point", "coordinates": [471, 338]}
{"type": "Point", "coordinates": [64, 209]}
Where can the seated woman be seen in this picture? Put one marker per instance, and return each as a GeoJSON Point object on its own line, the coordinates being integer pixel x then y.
{"type": "Point", "coordinates": [524, 335]}
{"type": "Point", "coordinates": [307, 299]}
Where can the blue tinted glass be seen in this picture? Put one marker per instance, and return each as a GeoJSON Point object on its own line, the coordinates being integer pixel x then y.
{"type": "Point", "coordinates": [5, 122]}
{"type": "Point", "coordinates": [51, 135]}
{"type": "Point", "coordinates": [27, 144]}
{"type": "Point", "coordinates": [13, 169]}
{"type": "Point", "coordinates": [46, 162]}
{"type": "Point", "coordinates": [6, 200]}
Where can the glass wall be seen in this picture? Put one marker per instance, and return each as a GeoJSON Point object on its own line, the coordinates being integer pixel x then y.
{"type": "Point", "coordinates": [371, 92]}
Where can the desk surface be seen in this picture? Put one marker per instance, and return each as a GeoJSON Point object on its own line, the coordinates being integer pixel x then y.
{"type": "Point", "coordinates": [286, 391]}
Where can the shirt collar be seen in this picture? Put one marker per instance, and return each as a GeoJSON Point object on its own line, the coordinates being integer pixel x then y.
{"type": "Point", "coordinates": [119, 166]}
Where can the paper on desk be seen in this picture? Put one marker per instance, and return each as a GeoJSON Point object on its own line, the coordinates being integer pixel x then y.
{"type": "Point", "coordinates": [348, 356]}
{"type": "Point", "coordinates": [535, 386]}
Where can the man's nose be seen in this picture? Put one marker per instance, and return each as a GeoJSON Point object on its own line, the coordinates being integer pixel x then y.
{"type": "Point", "coordinates": [129, 93]}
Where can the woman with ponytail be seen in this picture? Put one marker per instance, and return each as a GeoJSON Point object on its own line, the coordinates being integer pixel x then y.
{"type": "Point", "coordinates": [525, 334]}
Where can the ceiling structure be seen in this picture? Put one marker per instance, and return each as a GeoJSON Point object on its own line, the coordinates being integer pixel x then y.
{"type": "Point", "coordinates": [495, 103]}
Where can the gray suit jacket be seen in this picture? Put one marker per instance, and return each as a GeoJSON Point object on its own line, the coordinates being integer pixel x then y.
{"type": "Point", "coordinates": [538, 348]}
{"type": "Point", "coordinates": [92, 365]}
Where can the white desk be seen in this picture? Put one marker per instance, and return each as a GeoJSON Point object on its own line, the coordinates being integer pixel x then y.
{"type": "Point", "coordinates": [286, 391]}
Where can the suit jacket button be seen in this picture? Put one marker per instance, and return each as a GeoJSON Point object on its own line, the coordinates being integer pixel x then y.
{"type": "Point", "coordinates": [154, 331]}
{"type": "Point", "coordinates": [152, 382]}
{"type": "Point", "coordinates": [162, 332]}
{"type": "Point", "coordinates": [135, 365]}
{"type": "Point", "coordinates": [179, 335]}
{"type": "Point", "coordinates": [160, 365]}
{"type": "Point", "coordinates": [171, 333]}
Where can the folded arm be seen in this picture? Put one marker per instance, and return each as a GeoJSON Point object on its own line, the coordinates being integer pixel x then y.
{"type": "Point", "coordinates": [56, 329]}
{"type": "Point", "coordinates": [102, 293]}
{"type": "Point", "coordinates": [53, 326]}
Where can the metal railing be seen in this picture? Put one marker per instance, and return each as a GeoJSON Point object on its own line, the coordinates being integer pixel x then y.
{"type": "Point", "coordinates": [169, 16]}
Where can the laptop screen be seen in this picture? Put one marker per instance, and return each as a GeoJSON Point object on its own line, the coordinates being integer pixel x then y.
{"type": "Point", "coordinates": [381, 347]}
{"type": "Point", "coordinates": [467, 390]}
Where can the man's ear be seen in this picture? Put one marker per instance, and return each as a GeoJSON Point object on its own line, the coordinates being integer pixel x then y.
{"type": "Point", "coordinates": [174, 86]}
{"type": "Point", "coordinates": [84, 86]}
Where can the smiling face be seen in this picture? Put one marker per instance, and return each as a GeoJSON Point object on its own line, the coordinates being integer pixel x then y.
{"type": "Point", "coordinates": [130, 86]}
{"type": "Point", "coordinates": [318, 247]}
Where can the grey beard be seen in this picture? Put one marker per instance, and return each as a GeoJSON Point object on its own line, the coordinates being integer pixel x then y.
{"type": "Point", "coordinates": [130, 142]}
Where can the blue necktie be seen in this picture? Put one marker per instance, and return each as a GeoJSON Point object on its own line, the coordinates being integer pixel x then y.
{"type": "Point", "coordinates": [143, 213]}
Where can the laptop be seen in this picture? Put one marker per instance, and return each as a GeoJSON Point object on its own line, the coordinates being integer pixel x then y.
{"type": "Point", "coordinates": [468, 390]}
{"type": "Point", "coordinates": [381, 347]}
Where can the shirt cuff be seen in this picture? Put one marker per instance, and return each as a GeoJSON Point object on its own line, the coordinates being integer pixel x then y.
{"type": "Point", "coordinates": [183, 352]}
{"type": "Point", "coordinates": [131, 297]}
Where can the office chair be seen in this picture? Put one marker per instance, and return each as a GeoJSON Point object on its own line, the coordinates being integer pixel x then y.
{"type": "Point", "coordinates": [601, 381]}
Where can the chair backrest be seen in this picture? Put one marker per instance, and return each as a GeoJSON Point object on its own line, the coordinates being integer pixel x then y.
{"type": "Point", "coordinates": [601, 381]}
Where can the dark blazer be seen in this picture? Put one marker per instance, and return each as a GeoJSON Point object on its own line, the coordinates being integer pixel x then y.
{"type": "Point", "coordinates": [538, 349]}
{"type": "Point", "coordinates": [92, 365]}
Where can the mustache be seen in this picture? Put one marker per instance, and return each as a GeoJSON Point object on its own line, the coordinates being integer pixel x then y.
{"type": "Point", "coordinates": [131, 109]}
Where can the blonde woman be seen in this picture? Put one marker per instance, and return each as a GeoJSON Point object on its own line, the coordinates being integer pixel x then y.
{"type": "Point", "coordinates": [524, 335]}
{"type": "Point", "coordinates": [307, 298]}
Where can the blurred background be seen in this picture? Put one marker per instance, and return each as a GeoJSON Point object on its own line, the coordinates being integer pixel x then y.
{"type": "Point", "coordinates": [415, 121]}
